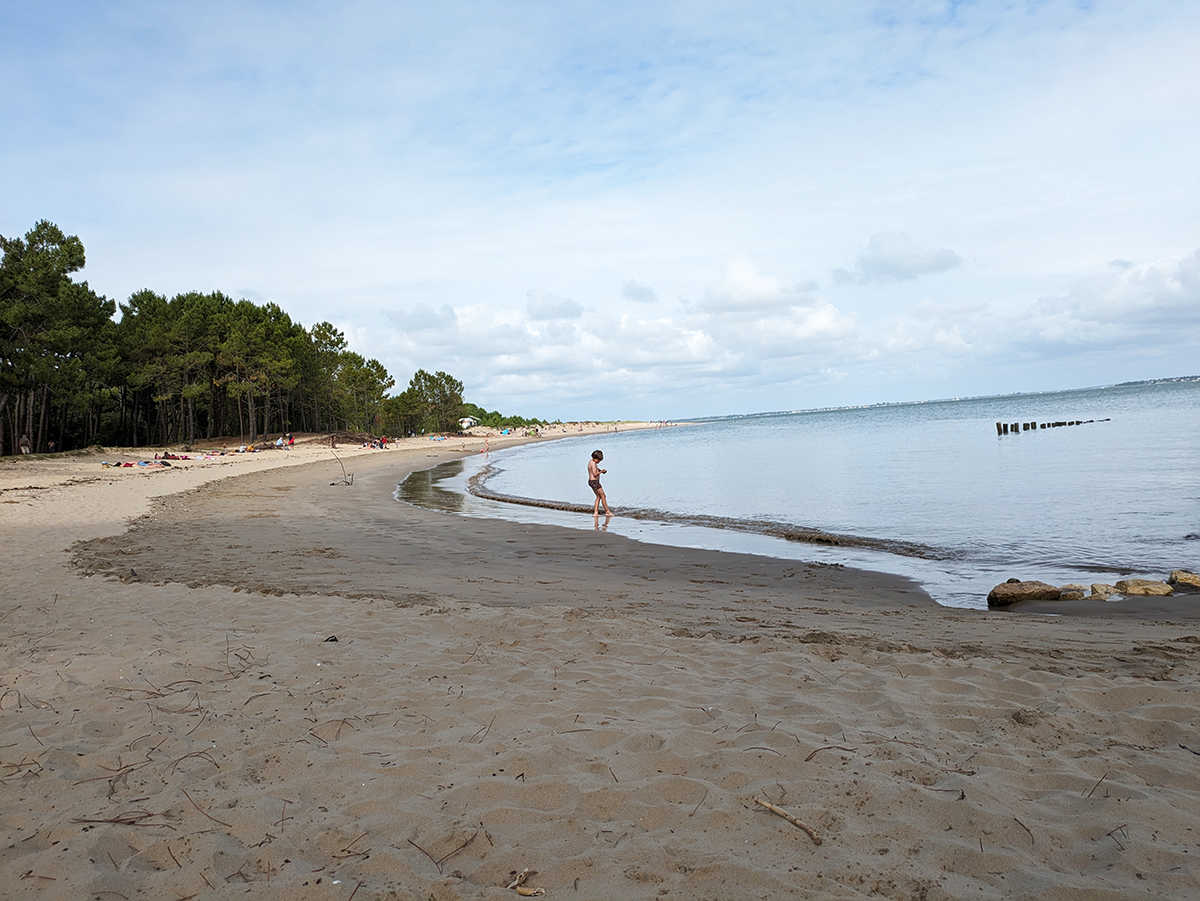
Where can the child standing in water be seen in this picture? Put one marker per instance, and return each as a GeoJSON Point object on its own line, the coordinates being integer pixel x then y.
{"type": "Point", "coordinates": [594, 473]}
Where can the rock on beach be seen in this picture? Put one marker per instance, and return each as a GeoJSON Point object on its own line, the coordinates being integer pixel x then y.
{"type": "Point", "coordinates": [1183, 577]}
{"type": "Point", "coordinates": [1144, 587]}
{"type": "Point", "coordinates": [1008, 593]}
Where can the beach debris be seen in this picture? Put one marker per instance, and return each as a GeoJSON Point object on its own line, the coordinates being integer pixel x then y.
{"type": "Point", "coordinates": [1015, 590]}
{"type": "Point", "coordinates": [1144, 587]}
{"type": "Point", "coordinates": [519, 886]}
{"type": "Point", "coordinates": [794, 820]}
{"type": "Point", "coordinates": [332, 638]}
{"type": "Point", "coordinates": [347, 478]}
{"type": "Point", "coordinates": [1183, 577]}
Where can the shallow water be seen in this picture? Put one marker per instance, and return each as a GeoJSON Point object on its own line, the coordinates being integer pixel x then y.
{"type": "Point", "coordinates": [926, 489]}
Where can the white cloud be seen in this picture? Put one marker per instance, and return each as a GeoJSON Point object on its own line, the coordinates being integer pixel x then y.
{"type": "Point", "coordinates": [636, 291]}
{"type": "Point", "coordinates": [542, 305]}
{"type": "Point", "coordinates": [437, 161]}
{"type": "Point", "coordinates": [1159, 301]}
{"type": "Point", "coordinates": [742, 289]}
{"type": "Point", "coordinates": [894, 257]}
{"type": "Point", "coordinates": [424, 318]}
{"type": "Point", "coordinates": [932, 330]}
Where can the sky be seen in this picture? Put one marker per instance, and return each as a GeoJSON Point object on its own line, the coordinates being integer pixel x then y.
{"type": "Point", "coordinates": [639, 210]}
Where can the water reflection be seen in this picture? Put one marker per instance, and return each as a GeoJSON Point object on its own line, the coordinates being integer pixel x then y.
{"type": "Point", "coordinates": [422, 489]}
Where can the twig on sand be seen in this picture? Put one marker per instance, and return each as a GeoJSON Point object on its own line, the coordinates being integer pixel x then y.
{"type": "Point", "coordinates": [283, 814]}
{"type": "Point", "coordinates": [1026, 828]}
{"type": "Point", "coordinates": [446, 857]}
{"type": "Point", "coordinates": [478, 652]}
{"type": "Point", "coordinates": [349, 852]}
{"type": "Point", "coordinates": [795, 821]}
{"type": "Point", "coordinates": [484, 729]}
{"type": "Point", "coordinates": [346, 479]}
{"type": "Point", "coordinates": [1097, 785]}
{"type": "Point", "coordinates": [426, 853]}
{"type": "Point", "coordinates": [829, 748]}
{"type": "Point", "coordinates": [174, 764]}
{"type": "Point", "coordinates": [129, 818]}
{"type": "Point", "coordinates": [1114, 838]}
{"type": "Point", "coordinates": [198, 807]}
{"type": "Point", "coordinates": [698, 803]}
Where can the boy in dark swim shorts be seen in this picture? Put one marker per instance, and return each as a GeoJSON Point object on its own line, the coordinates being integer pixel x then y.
{"type": "Point", "coordinates": [594, 473]}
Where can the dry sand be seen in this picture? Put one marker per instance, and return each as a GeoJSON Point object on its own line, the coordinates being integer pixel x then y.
{"type": "Point", "coordinates": [500, 696]}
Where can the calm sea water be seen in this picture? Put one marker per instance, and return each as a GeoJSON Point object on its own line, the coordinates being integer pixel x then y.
{"type": "Point", "coordinates": [925, 489]}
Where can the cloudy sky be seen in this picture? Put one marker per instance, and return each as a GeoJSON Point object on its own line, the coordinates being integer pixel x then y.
{"type": "Point", "coordinates": [640, 209]}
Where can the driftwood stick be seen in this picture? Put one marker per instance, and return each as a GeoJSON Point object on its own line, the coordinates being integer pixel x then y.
{"type": "Point", "coordinates": [1097, 785]}
{"type": "Point", "coordinates": [829, 748]}
{"type": "Point", "coordinates": [426, 853]}
{"type": "Point", "coordinates": [198, 807]}
{"type": "Point", "coordinates": [795, 821]}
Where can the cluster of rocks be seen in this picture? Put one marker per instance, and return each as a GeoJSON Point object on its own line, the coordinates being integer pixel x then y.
{"type": "Point", "coordinates": [1015, 590]}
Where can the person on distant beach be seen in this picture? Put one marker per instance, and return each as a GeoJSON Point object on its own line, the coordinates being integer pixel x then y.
{"type": "Point", "coordinates": [24, 444]}
{"type": "Point", "coordinates": [594, 473]}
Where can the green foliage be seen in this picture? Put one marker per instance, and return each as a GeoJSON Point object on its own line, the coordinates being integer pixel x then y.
{"type": "Point", "coordinates": [497, 420]}
{"type": "Point", "coordinates": [186, 368]}
{"type": "Point", "coordinates": [54, 332]}
{"type": "Point", "coordinates": [441, 397]}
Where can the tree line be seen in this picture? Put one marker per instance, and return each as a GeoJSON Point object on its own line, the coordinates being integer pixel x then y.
{"type": "Point", "coordinates": [184, 369]}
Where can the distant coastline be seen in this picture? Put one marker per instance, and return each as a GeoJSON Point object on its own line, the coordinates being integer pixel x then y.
{"type": "Point", "coordinates": [944, 400]}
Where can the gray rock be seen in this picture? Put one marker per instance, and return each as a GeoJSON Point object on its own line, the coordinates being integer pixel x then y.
{"type": "Point", "coordinates": [1103, 591]}
{"type": "Point", "coordinates": [1010, 592]}
{"type": "Point", "coordinates": [1072, 591]}
{"type": "Point", "coordinates": [1183, 577]}
{"type": "Point", "coordinates": [1144, 587]}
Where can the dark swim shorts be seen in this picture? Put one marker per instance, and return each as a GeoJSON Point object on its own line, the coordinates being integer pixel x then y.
{"type": "Point", "coordinates": [594, 484]}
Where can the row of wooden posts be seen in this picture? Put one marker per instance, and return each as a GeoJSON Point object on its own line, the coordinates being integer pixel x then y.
{"type": "Point", "coordinates": [1004, 428]}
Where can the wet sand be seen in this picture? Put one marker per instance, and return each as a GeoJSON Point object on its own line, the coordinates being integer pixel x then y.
{"type": "Point", "coordinates": [177, 721]}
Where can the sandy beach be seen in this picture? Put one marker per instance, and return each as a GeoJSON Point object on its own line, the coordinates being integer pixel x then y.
{"type": "Point", "coordinates": [244, 676]}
